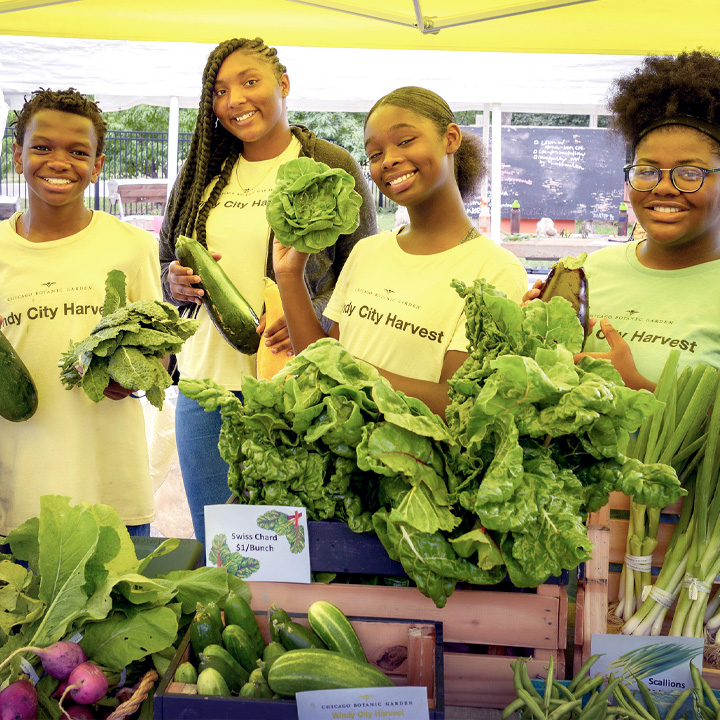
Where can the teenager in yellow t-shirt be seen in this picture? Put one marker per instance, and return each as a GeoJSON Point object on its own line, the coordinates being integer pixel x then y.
{"type": "Point", "coordinates": [393, 305]}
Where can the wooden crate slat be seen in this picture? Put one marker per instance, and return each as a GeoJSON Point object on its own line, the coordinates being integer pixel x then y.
{"type": "Point", "coordinates": [486, 680]}
{"type": "Point", "coordinates": [515, 619]}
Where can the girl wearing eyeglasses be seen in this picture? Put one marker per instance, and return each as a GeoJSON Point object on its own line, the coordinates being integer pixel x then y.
{"type": "Point", "coordinates": [663, 292]}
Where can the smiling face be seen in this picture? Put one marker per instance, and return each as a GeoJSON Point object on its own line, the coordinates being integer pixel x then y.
{"type": "Point", "coordinates": [58, 157]}
{"type": "Point", "coordinates": [409, 159]}
{"type": "Point", "coordinates": [685, 225]}
{"type": "Point", "coordinates": [249, 102]}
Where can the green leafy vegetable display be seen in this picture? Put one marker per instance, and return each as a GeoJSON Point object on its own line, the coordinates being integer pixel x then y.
{"type": "Point", "coordinates": [83, 577]}
{"type": "Point", "coordinates": [533, 443]}
{"type": "Point", "coordinates": [312, 205]}
{"type": "Point", "coordinates": [127, 346]}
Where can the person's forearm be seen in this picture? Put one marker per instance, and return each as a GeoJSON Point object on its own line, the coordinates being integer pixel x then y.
{"type": "Point", "coordinates": [434, 395]}
{"type": "Point", "coordinates": [303, 324]}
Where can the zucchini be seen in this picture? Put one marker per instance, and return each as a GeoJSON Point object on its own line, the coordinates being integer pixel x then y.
{"type": "Point", "coordinates": [238, 612]}
{"type": "Point", "coordinates": [295, 636]}
{"type": "Point", "coordinates": [238, 643]}
{"type": "Point", "coordinates": [218, 657]}
{"type": "Point", "coordinates": [185, 673]}
{"type": "Point", "coordinates": [18, 395]}
{"type": "Point", "coordinates": [276, 615]}
{"type": "Point", "coordinates": [335, 630]}
{"type": "Point", "coordinates": [315, 669]}
{"type": "Point", "coordinates": [213, 610]}
{"type": "Point", "coordinates": [567, 280]}
{"type": "Point", "coordinates": [211, 682]}
{"type": "Point", "coordinates": [230, 312]}
{"type": "Point", "coordinates": [203, 632]}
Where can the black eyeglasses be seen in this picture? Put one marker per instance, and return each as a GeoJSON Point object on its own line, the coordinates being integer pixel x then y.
{"type": "Point", "coordinates": [686, 178]}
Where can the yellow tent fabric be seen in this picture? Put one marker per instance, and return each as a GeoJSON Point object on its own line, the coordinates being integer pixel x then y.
{"type": "Point", "coordinates": [616, 27]}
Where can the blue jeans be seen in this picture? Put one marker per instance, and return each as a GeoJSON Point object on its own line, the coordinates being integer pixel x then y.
{"type": "Point", "coordinates": [204, 472]}
{"type": "Point", "coordinates": [139, 530]}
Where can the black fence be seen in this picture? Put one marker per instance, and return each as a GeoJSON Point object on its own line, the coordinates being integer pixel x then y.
{"type": "Point", "coordinates": [128, 155]}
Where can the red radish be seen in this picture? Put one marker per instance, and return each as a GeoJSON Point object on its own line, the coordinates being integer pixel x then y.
{"type": "Point", "coordinates": [18, 701]}
{"type": "Point", "coordinates": [60, 689]}
{"type": "Point", "coordinates": [87, 684]}
{"type": "Point", "coordinates": [79, 712]}
{"type": "Point", "coordinates": [58, 659]}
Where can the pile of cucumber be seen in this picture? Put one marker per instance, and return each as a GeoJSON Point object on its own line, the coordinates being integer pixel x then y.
{"type": "Point", "coordinates": [231, 657]}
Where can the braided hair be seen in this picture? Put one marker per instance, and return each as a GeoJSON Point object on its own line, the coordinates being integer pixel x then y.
{"type": "Point", "coordinates": [470, 159]}
{"type": "Point", "coordinates": [68, 101]}
{"type": "Point", "coordinates": [213, 150]}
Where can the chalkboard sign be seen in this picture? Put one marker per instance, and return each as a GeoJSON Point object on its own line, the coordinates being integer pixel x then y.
{"type": "Point", "coordinates": [563, 173]}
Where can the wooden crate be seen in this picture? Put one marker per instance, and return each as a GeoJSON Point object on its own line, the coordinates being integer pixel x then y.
{"type": "Point", "coordinates": [498, 616]}
{"type": "Point", "coordinates": [409, 652]}
{"type": "Point", "coordinates": [599, 586]}
{"type": "Point", "coordinates": [536, 620]}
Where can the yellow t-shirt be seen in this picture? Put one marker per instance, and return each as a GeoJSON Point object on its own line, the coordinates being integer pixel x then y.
{"type": "Point", "coordinates": [399, 312]}
{"type": "Point", "coordinates": [51, 293]}
{"type": "Point", "coordinates": [236, 228]}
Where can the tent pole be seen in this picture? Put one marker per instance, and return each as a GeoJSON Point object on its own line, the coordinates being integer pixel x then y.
{"type": "Point", "coordinates": [173, 133]}
{"type": "Point", "coordinates": [495, 173]}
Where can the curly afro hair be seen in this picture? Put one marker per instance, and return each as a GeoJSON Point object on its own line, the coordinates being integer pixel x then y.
{"type": "Point", "coordinates": [664, 86]}
{"type": "Point", "coordinates": [69, 101]}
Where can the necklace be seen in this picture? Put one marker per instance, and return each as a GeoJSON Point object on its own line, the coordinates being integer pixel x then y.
{"type": "Point", "coordinates": [473, 232]}
{"type": "Point", "coordinates": [248, 190]}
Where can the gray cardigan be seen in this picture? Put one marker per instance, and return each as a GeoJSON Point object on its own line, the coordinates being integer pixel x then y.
{"type": "Point", "coordinates": [323, 268]}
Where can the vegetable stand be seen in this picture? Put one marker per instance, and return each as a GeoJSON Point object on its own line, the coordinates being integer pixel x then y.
{"type": "Point", "coordinates": [408, 651]}
{"type": "Point", "coordinates": [598, 589]}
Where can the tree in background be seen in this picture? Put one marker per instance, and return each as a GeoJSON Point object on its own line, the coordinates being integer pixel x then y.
{"type": "Point", "coordinates": [149, 118]}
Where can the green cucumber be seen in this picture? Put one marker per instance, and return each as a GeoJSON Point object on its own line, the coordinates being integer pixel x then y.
{"type": "Point", "coordinates": [239, 612]}
{"type": "Point", "coordinates": [218, 657]}
{"type": "Point", "coordinates": [295, 636]}
{"type": "Point", "coordinates": [185, 673]}
{"type": "Point", "coordinates": [258, 679]}
{"type": "Point", "coordinates": [18, 395]}
{"type": "Point", "coordinates": [213, 610]}
{"type": "Point", "coordinates": [271, 653]}
{"type": "Point", "coordinates": [314, 669]}
{"type": "Point", "coordinates": [238, 643]}
{"type": "Point", "coordinates": [211, 682]}
{"type": "Point", "coordinates": [249, 690]}
{"type": "Point", "coordinates": [230, 312]}
{"type": "Point", "coordinates": [203, 632]}
{"type": "Point", "coordinates": [276, 615]}
{"type": "Point", "coordinates": [335, 630]}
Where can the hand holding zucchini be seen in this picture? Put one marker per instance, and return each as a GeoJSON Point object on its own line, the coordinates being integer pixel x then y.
{"type": "Point", "coordinates": [18, 396]}
{"type": "Point", "coordinates": [231, 314]}
{"type": "Point", "coordinates": [567, 280]}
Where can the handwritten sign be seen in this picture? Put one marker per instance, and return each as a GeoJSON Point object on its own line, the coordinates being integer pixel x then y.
{"type": "Point", "coordinates": [408, 703]}
{"type": "Point", "coordinates": [258, 542]}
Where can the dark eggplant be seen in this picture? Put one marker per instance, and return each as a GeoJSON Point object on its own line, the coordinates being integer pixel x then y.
{"type": "Point", "coordinates": [569, 283]}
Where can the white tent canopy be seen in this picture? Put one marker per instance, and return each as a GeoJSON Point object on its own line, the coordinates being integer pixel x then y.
{"type": "Point", "coordinates": [121, 74]}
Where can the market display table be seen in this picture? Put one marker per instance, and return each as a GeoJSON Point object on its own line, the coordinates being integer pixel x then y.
{"type": "Point", "coordinates": [554, 248]}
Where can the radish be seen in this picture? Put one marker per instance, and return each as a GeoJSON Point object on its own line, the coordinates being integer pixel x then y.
{"type": "Point", "coordinates": [87, 684]}
{"type": "Point", "coordinates": [18, 701]}
{"type": "Point", "coordinates": [79, 712]}
{"type": "Point", "coordinates": [58, 659]}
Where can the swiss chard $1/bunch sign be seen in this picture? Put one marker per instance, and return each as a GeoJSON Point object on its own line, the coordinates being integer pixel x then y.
{"type": "Point", "coordinates": [259, 542]}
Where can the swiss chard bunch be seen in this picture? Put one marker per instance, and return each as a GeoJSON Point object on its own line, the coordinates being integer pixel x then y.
{"type": "Point", "coordinates": [127, 346]}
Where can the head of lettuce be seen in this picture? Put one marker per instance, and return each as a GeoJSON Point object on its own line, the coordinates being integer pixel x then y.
{"type": "Point", "coordinates": [312, 205]}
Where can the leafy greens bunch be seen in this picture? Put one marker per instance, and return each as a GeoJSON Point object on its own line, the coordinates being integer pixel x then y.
{"type": "Point", "coordinates": [533, 443]}
{"type": "Point", "coordinates": [83, 577]}
{"type": "Point", "coordinates": [127, 345]}
{"type": "Point", "coordinates": [540, 438]}
{"type": "Point", "coordinates": [312, 204]}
